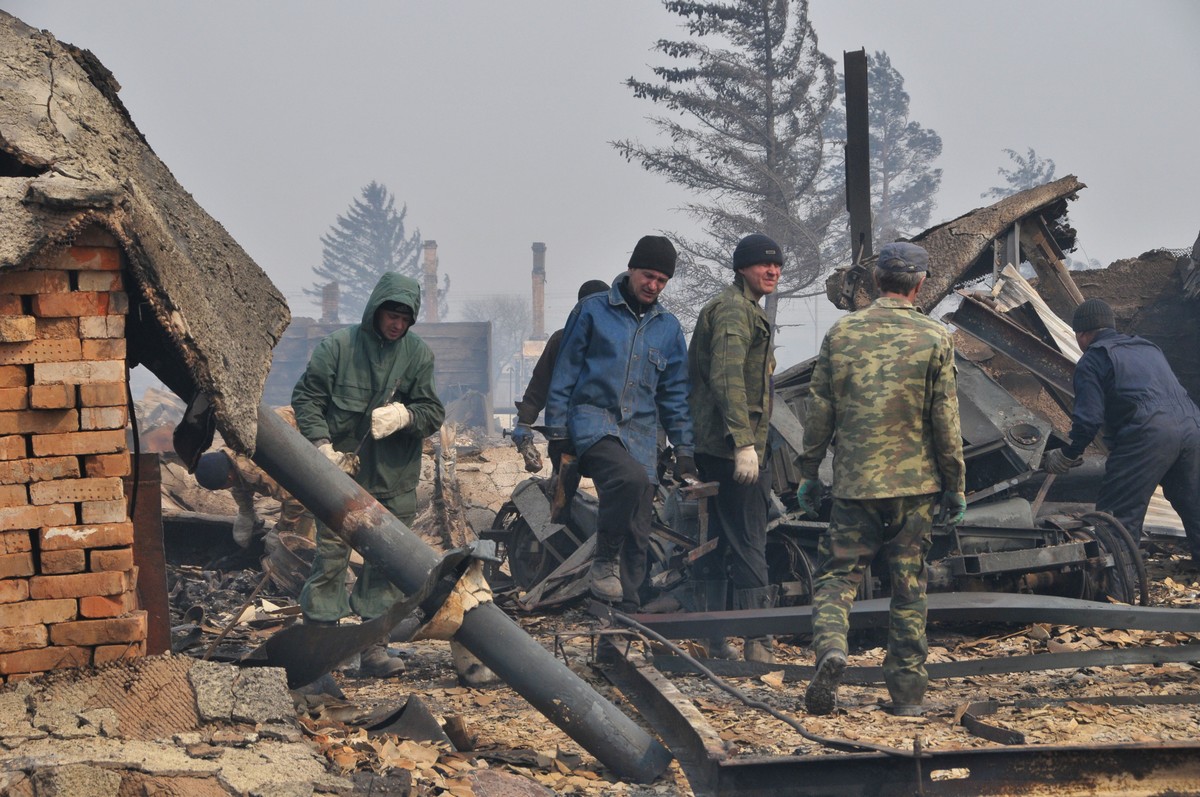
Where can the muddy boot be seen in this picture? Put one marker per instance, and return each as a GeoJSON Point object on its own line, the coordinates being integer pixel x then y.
{"type": "Point", "coordinates": [762, 648]}
{"type": "Point", "coordinates": [376, 662]}
{"type": "Point", "coordinates": [821, 695]}
{"type": "Point", "coordinates": [471, 671]}
{"type": "Point", "coordinates": [604, 578]}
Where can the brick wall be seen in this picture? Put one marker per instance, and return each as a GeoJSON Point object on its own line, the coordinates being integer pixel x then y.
{"type": "Point", "coordinates": [67, 579]}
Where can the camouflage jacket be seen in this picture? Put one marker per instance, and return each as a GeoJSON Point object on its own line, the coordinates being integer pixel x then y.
{"type": "Point", "coordinates": [730, 364]}
{"type": "Point", "coordinates": [885, 385]}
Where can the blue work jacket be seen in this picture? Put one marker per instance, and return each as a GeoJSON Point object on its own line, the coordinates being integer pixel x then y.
{"type": "Point", "coordinates": [621, 376]}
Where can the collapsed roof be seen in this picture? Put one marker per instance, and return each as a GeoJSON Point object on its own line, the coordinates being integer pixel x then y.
{"type": "Point", "coordinates": [203, 316]}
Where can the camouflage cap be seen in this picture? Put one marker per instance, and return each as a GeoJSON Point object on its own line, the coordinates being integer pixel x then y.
{"type": "Point", "coordinates": [903, 256]}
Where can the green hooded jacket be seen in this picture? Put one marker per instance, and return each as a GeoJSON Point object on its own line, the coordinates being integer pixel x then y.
{"type": "Point", "coordinates": [355, 370]}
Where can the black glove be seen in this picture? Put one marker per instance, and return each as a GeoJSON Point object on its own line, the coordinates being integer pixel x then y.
{"type": "Point", "coordinates": [1058, 463]}
{"type": "Point", "coordinates": [685, 469]}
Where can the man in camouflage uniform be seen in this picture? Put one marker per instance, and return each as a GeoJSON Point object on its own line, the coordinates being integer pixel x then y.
{"type": "Point", "coordinates": [730, 363]}
{"type": "Point", "coordinates": [884, 384]}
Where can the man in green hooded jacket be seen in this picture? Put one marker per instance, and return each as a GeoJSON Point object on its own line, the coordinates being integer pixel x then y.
{"type": "Point", "coordinates": [367, 401]}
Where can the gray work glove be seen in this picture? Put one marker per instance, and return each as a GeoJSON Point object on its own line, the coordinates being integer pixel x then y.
{"type": "Point", "coordinates": [348, 463]}
{"type": "Point", "coordinates": [243, 528]}
{"type": "Point", "coordinates": [1058, 463]}
{"type": "Point", "coordinates": [745, 465]}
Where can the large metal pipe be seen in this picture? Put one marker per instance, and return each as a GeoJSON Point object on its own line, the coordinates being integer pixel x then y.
{"type": "Point", "coordinates": [559, 694]}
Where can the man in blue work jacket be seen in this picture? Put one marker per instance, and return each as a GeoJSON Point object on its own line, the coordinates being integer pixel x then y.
{"type": "Point", "coordinates": [622, 371]}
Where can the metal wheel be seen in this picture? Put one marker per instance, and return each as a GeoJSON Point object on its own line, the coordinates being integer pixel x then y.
{"type": "Point", "coordinates": [1125, 580]}
{"type": "Point", "coordinates": [789, 566]}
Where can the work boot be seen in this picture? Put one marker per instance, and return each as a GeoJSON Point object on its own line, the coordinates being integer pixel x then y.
{"type": "Point", "coordinates": [761, 648]}
{"type": "Point", "coordinates": [604, 580]}
{"type": "Point", "coordinates": [721, 648]}
{"type": "Point", "coordinates": [906, 709]}
{"type": "Point", "coordinates": [376, 662]}
{"type": "Point", "coordinates": [821, 695]}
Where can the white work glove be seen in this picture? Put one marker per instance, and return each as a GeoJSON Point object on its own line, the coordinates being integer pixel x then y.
{"type": "Point", "coordinates": [745, 465]}
{"type": "Point", "coordinates": [348, 463]}
{"type": "Point", "coordinates": [243, 528]}
{"type": "Point", "coordinates": [389, 418]}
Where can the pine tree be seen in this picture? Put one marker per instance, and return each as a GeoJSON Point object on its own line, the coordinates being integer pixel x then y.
{"type": "Point", "coordinates": [903, 183]}
{"type": "Point", "coordinates": [752, 147]}
{"type": "Point", "coordinates": [362, 246]}
{"type": "Point", "coordinates": [1029, 172]}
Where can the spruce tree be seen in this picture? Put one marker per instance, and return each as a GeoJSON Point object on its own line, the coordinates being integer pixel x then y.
{"type": "Point", "coordinates": [362, 246]}
{"type": "Point", "coordinates": [1029, 171]}
{"type": "Point", "coordinates": [747, 101]}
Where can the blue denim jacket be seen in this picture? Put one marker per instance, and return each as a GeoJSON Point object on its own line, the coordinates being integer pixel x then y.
{"type": "Point", "coordinates": [620, 376]}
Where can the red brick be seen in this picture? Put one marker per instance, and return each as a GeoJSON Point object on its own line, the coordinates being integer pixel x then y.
{"type": "Point", "coordinates": [103, 349]}
{"type": "Point", "coordinates": [78, 443]}
{"type": "Point", "coordinates": [16, 541]}
{"type": "Point", "coordinates": [79, 372]}
{"type": "Point", "coordinates": [77, 585]}
{"type": "Point", "coordinates": [103, 511]}
{"type": "Point", "coordinates": [51, 350]}
{"type": "Point", "coordinates": [37, 612]}
{"type": "Point", "coordinates": [100, 632]}
{"type": "Point", "coordinates": [102, 418]}
{"type": "Point", "coordinates": [16, 565]}
{"type": "Point", "coordinates": [103, 394]}
{"type": "Point", "coordinates": [55, 563]}
{"type": "Point", "coordinates": [58, 327]}
{"type": "Point", "coordinates": [13, 447]}
{"type": "Point", "coordinates": [66, 491]}
{"type": "Point", "coordinates": [14, 398]}
{"type": "Point", "coordinates": [14, 589]}
{"type": "Point", "coordinates": [39, 422]}
{"type": "Point", "coordinates": [43, 660]}
{"type": "Point", "coordinates": [39, 282]}
{"type": "Point", "coordinates": [75, 303]}
{"type": "Point", "coordinates": [14, 376]}
{"type": "Point", "coordinates": [13, 494]}
{"type": "Point", "coordinates": [17, 328]}
{"type": "Point", "coordinates": [106, 654]}
{"type": "Point", "coordinates": [99, 281]}
{"type": "Point", "coordinates": [52, 397]}
{"type": "Point", "coordinates": [111, 559]}
{"type": "Point", "coordinates": [33, 517]}
{"type": "Point", "coordinates": [107, 465]}
{"type": "Point", "coordinates": [40, 469]}
{"type": "Point", "coordinates": [10, 304]}
{"type": "Point", "coordinates": [96, 606]}
{"type": "Point", "coordinates": [102, 535]}
{"type": "Point", "coordinates": [102, 326]}
{"type": "Point", "coordinates": [91, 258]}
{"type": "Point", "coordinates": [22, 637]}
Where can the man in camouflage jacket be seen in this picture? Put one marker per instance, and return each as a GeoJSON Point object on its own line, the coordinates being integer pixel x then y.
{"type": "Point", "coordinates": [884, 384]}
{"type": "Point", "coordinates": [730, 363]}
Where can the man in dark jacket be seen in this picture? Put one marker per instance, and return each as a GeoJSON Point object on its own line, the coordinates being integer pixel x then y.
{"type": "Point", "coordinates": [621, 372]}
{"type": "Point", "coordinates": [1151, 426]}
{"type": "Point", "coordinates": [531, 404]}
{"type": "Point", "coordinates": [730, 362]}
{"type": "Point", "coordinates": [367, 400]}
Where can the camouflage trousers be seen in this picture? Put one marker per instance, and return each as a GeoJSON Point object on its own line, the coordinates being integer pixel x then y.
{"type": "Point", "coordinates": [902, 527]}
{"type": "Point", "coordinates": [324, 596]}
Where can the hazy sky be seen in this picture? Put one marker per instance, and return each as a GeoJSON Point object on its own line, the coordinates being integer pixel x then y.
{"type": "Point", "coordinates": [491, 120]}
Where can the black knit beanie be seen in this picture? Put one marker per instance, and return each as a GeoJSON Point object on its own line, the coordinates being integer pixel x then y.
{"type": "Point", "coordinates": [592, 286]}
{"type": "Point", "coordinates": [755, 249]}
{"type": "Point", "coordinates": [1093, 314]}
{"type": "Point", "coordinates": [655, 252]}
{"type": "Point", "coordinates": [213, 469]}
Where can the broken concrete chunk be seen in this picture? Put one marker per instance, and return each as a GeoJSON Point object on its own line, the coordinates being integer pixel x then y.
{"type": "Point", "coordinates": [76, 780]}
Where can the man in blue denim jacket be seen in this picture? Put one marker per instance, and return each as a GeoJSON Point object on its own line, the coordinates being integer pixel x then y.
{"type": "Point", "coordinates": [621, 372]}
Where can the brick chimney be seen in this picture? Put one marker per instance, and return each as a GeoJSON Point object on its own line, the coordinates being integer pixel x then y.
{"type": "Point", "coordinates": [539, 291]}
{"type": "Point", "coordinates": [329, 303]}
{"type": "Point", "coordinates": [430, 289]}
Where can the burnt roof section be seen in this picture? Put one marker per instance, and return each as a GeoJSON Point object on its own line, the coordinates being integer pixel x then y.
{"type": "Point", "coordinates": [71, 158]}
{"type": "Point", "coordinates": [960, 250]}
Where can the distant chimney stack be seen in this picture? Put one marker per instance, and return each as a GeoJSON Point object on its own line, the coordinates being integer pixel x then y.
{"type": "Point", "coordinates": [329, 303]}
{"type": "Point", "coordinates": [539, 291]}
{"type": "Point", "coordinates": [430, 265]}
